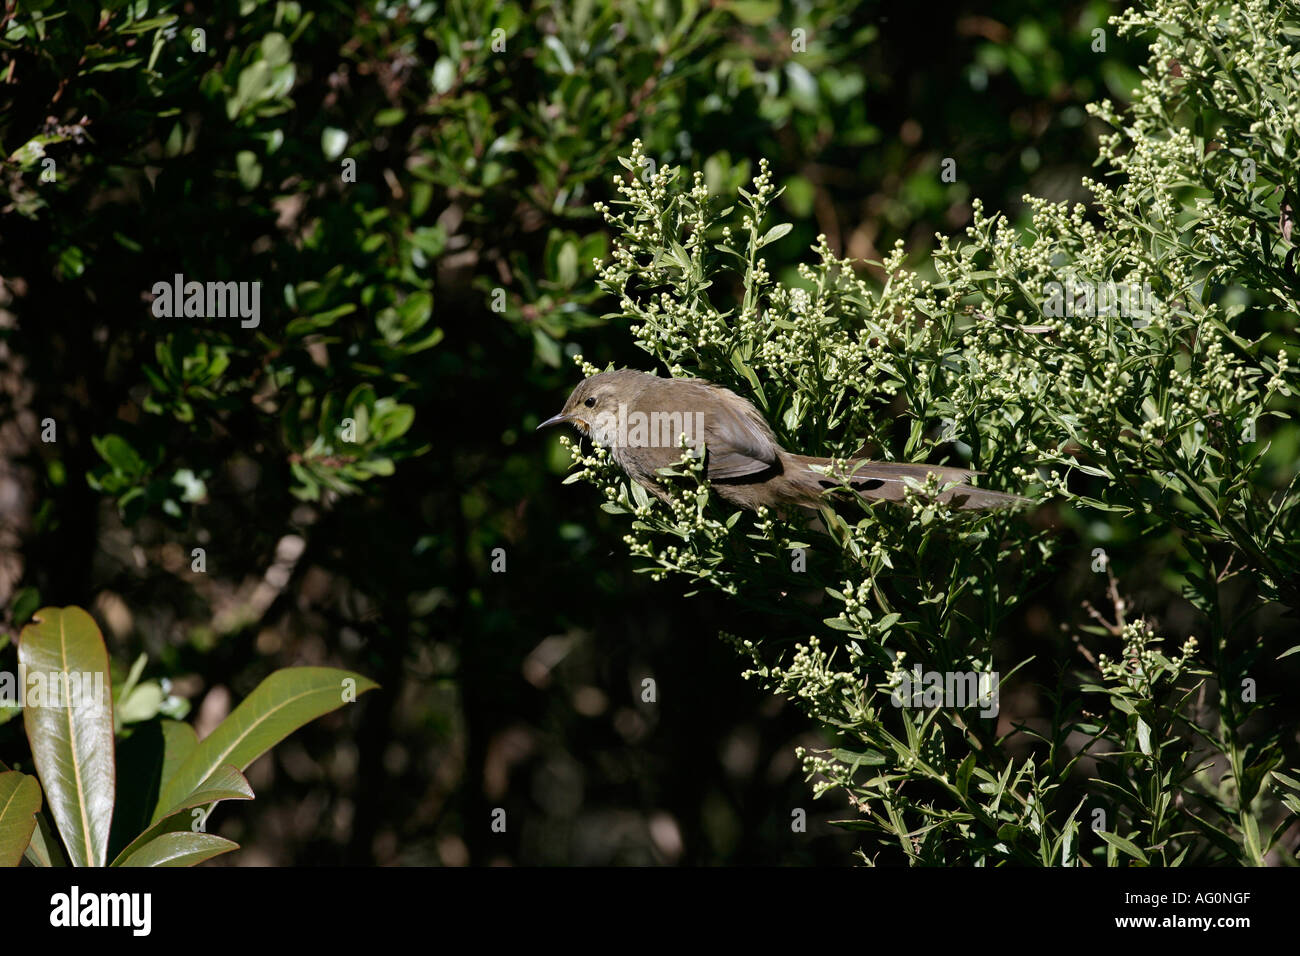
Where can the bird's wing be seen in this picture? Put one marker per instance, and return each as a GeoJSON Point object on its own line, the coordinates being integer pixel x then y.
{"type": "Point", "coordinates": [739, 442]}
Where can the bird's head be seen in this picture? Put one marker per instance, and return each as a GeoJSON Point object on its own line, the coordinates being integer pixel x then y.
{"type": "Point", "coordinates": [593, 407]}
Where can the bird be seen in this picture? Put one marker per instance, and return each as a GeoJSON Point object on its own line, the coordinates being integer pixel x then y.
{"type": "Point", "coordinates": [642, 418]}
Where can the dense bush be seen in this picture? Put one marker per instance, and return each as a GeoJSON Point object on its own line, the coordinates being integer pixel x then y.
{"type": "Point", "coordinates": [1128, 359]}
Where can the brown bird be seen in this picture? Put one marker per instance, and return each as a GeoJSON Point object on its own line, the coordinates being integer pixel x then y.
{"type": "Point", "coordinates": [641, 419]}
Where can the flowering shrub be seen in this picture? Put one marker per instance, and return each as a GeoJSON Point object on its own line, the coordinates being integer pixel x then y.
{"type": "Point", "coordinates": [1124, 363]}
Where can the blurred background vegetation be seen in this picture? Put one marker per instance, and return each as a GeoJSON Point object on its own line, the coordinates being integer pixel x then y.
{"type": "Point", "coordinates": [412, 183]}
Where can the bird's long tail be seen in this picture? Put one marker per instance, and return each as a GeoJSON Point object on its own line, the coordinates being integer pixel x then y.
{"type": "Point", "coordinates": [886, 480]}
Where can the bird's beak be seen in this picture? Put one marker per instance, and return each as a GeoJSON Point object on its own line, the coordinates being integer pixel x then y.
{"type": "Point", "coordinates": [559, 419]}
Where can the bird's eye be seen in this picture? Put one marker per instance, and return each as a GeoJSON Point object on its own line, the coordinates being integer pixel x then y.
{"type": "Point", "coordinates": [589, 402]}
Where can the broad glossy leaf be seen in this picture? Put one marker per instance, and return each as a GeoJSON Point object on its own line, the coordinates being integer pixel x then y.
{"type": "Point", "coordinates": [179, 849]}
{"type": "Point", "coordinates": [20, 800]}
{"type": "Point", "coordinates": [226, 783]}
{"type": "Point", "coordinates": [70, 727]}
{"type": "Point", "coordinates": [179, 741]}
{"type": "Point", "coordinates": [44, 848]}
{"type": "Point", "coordinates": [280, 705]}
{"type": "Point", "coordinates": [145, 761]}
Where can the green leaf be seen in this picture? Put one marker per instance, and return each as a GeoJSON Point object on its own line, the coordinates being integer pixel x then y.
{"type": "Point", "coordinates": [179, 741]}
{"type": "Point", "coordinates": [115, 450]}
{"type": "Point", "coordinates": [25, 602]}
{"type": "Point", "coordinates": [963, 773]}
{"type": "Point", "coordinates": [566, 264]}
{"type": "Point", "coordinates": [870, 758]}
{"type": "Point", "coordinates": [775, 233]}
{"type": "Point", "coordinates": [444, 74]}
{"type": "Point", "coordinates": [146, 759]}
{"type": "Point", "coordinates": [142, 704]}
{"type": "Point", "coordinates": [20, 801]}
{"type": "Point", "coordinates": [144, 26]}
{"type": "Point", "coordinates": [755, 12]}
{"type": "Point", "coordinates": [333, 142]}
{"type": "Point", "coordinates": [561, 54]}
{"type": "Point", "coordinates": [278, 706]}
{"type": "Point", "coordinates": [248, 168]}
{"type": "Point", "coordinates": [1144, 736]}
{"type": "Point", "coordinates": [1067, 840]}
{"type": "Point", "coordinates": [182, 848]}
{"type": "Point", "coordinates": [392, 423]}
{"type": "Point", "coordinates": [1124, 846]}
{"type": "Point", "coordinates": [132, 678]}
{"type": "Point", "coordinates": [276, 50]}
{"type": "Point", "coordinates": [72, 746]}
{"type": "Point", "coordinates": [44, 848]}
{"type": "Point", "coordinates": [225, 783]}
{"type": "Point", "coordinates": [1291, 782]}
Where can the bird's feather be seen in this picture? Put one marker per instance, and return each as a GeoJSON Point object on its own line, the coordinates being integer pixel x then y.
{"type": "Point", "coordinates": [738, 440]}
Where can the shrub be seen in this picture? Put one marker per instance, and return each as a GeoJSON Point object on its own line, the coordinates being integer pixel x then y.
{"type": "Point", "coordinates": [1163, 411]}
{"type": "Point", "coordinates": [143, 800]}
